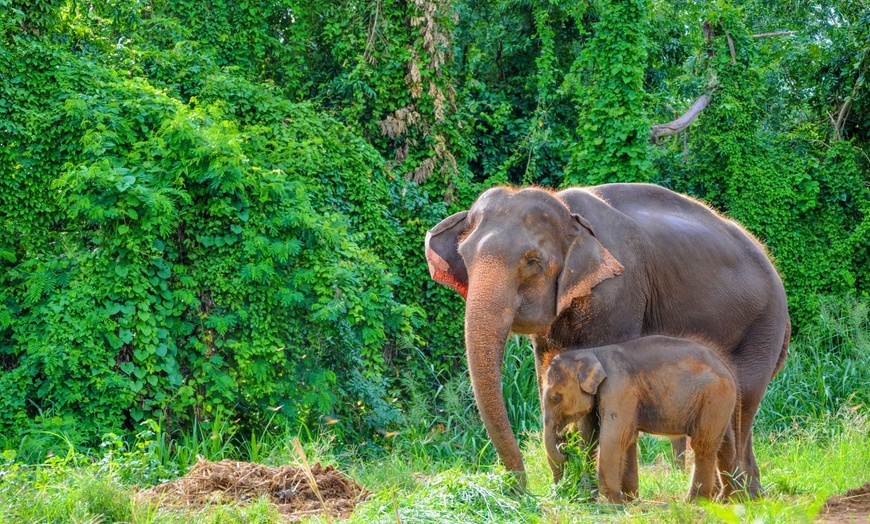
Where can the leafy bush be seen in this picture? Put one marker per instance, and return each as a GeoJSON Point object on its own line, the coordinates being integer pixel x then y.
{"type": "Point", "coordinates": [193, 259]}
{"type": "Point", "coordinates": [214, 209]}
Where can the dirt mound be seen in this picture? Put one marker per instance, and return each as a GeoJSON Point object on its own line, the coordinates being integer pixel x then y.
{"type": "Point", "coordinates": [288, 487]}
{"type": "Point", "coordinates": [852, 507]}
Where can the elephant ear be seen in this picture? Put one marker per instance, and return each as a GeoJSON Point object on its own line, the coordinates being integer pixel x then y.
{"type": "Point", "coordinates": [591, 377]}
{"type": "Point", "coordinates": [587, 264]}
{"type": "Point", "coordinates": [442, 253]}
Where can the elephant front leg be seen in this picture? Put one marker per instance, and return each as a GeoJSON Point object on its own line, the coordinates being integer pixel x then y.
{"type": "Point", "coordinates": [730, 477]}
{"type": "Point", "coordinates": [587, 428]}
{"type": "Point", "coordinates": [611, 466]}
{"type": "Point", "coordinates": [629, 475]}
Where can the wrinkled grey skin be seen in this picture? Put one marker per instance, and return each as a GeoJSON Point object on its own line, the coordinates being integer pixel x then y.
{"type": "Point", "coordinates": [657, 385]}
{"type": "Point", "coordinates": [600, 265]}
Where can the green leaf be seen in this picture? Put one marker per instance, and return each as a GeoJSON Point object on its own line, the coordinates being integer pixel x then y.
{"type": "Point", "coordinates": [125, 183]}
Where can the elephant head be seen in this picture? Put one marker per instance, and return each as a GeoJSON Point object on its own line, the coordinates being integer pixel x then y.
{"type": "Point", "coordinates": [570, 385]}
{"type": "Point", "coordinates": [519, 258]}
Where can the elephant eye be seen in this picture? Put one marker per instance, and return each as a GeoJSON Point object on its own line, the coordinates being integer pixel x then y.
{"type": "Point", "coordinates": [533, 260]}
{"type": "Point", "coordinates": [555, 398]}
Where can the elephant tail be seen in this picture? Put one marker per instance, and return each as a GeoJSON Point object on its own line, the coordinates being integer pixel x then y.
{"type": "Point", "coordinates": [784, 351]}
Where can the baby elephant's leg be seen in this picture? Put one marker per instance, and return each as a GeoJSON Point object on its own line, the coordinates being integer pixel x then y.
{"type": "Point", "coordinates": [712, 426]}
{"type": "Point", "coordinates": [704, 477]}
{"type": "Point", "coordinates": [729, 472]}
{"type": "Point", "coordinates": [629, 474]}
{"type": "Point", "coordinates": [678, 452]}
{"type": "Point", "coordinates": [612, 448]}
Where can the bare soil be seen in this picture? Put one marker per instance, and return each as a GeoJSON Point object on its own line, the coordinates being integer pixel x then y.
{"type": "Point", "coordinates": [288, 487]}
{"type": "Point", "coordinates": [851, 507]}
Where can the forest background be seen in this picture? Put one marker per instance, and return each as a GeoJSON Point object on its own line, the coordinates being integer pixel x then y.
{"type": "Point", "coordinates": [212, 214]}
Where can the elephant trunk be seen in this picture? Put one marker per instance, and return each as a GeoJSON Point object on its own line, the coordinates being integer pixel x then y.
{"type": "Point", "coordinates": [550, 445]}
{"type": "Point", "coordinates": [488, 316]}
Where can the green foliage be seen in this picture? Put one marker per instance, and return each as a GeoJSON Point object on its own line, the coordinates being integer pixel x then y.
{"type": "Point", "coordinates": [186, 260]}
{"type": "Point", "coordinates": [211, 209]}
{"type": "Point", "coordinates": [606, 83]}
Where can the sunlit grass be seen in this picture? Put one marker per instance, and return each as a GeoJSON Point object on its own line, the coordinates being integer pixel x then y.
{"type": "Point", "coordinates": [800, 470]}
{"type": "Point", "coordinates": [801, 467]}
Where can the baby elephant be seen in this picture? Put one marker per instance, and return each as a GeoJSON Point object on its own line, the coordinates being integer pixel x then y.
{"type": "Point", "coordinates": [659, 385]}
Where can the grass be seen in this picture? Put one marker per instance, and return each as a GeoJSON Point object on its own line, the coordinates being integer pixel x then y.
{"type": "Point", "coordinates": [801, 467]}
{"type": "Point", "coordinates": [800, 470]}
{"type": "Point", "coordinates": [812, 440]}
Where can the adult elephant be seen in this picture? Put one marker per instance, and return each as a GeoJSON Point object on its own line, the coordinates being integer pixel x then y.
{"type": "Point", "coordinates": [600, 265]}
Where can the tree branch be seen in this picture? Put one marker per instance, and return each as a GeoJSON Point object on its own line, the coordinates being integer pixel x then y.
{"type": "Point", "coordinates": [778, 33]}
{"type": "Point", "coordinates": [731, 48]}
{"type": "Point", "coordinates": [683, 121]}
{"type": "Point", "coordinates": [844, 110]}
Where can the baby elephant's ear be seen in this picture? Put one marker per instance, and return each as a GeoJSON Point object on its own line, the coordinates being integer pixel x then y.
{"type": "Point", "coordinates": [591, 377]}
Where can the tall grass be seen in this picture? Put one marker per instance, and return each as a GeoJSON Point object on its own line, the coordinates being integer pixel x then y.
{"type": "Point", "coordinates": [445, 425]}
{"type": "Point", "coordinates": [827, 369]}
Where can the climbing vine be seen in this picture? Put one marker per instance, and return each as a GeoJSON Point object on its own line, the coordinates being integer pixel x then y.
{"type": "Point", "coordinates": [211, 210]}
{"type": "Point", "coordinates": [606, 83]}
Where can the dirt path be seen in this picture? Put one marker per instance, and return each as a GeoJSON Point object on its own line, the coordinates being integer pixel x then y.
{"type": "Point", "coordinates": [852, 507]}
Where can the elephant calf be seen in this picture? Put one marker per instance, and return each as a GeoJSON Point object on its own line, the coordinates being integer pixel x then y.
{"type": "Point", "coordinates": [656, 384]}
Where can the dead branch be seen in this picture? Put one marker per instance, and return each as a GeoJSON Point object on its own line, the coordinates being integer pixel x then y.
{"type": "Point", "coordinates": [368, 54]}
{"type": "Point", "coordinates": [731, 48]}
{"type": "Point", "coordinates": [778, 33]}
{"type": "Point", "coordinates": [844, 110]}
{"type": "Point", "coordinates": [683, 121]}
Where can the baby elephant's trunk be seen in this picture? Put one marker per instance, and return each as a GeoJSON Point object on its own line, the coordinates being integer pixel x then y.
{"type": "Point", "coordinates": [550, 444]}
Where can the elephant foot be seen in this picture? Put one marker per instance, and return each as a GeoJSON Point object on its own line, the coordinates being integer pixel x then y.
{"type": "Point", "coordinates": [678, 453]}
{"type": "Point", "coordinates": [515, 484]}
{"type": "Point", "coordinates": [753, 488]}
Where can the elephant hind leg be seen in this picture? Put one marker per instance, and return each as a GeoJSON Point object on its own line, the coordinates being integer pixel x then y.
{"type": "Point", "coordinates": [756, 359]}
{"type": "Point", "coordinates": [748, 475]}
{"type": "Point", "coordinates": [730, 478]}
{"type": "Point", "coordinates": [678, 452]}
{"type": "Point", "coordinates": [704, 475]}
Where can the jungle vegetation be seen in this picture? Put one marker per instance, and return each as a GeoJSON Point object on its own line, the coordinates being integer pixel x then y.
{"type": "Point", "coordinates": [212, 213]}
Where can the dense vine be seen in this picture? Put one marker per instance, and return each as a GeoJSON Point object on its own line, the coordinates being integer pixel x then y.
{"type": "Point", "coordinates": [210, 209]}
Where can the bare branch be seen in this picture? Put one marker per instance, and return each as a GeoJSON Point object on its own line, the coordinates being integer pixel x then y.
{"type": "Point", "coordinates": [368, 54]}
{"type": "Point", "coordinates": [778, 33]}
{"type": "Point", "coordinates": [731, 48]}
{"type": "Point", "coordinates": [838, 125]}
{"type": "Point", "coordinates": [683, 121]}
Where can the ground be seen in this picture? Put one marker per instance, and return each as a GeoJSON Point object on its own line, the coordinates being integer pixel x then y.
{"type": "Point", "coordinates": [852, 507]}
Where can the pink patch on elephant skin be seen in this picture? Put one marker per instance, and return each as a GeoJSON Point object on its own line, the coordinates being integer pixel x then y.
{"type": "Point", "coordinates": [609, 268]}
{"type": "Point", "coordinates": [439, 270]}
